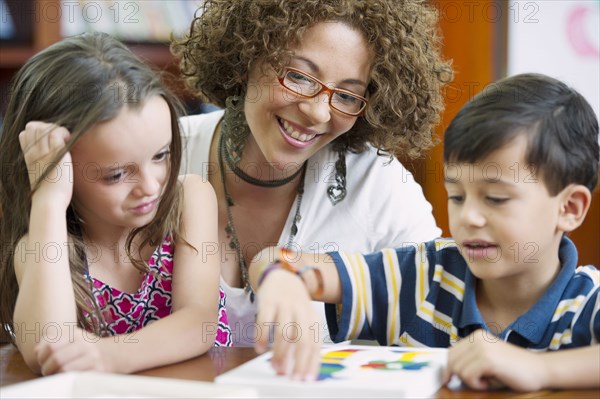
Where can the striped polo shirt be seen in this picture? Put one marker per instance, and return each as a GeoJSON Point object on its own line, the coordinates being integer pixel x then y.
{"type": "Point", "coordinates": [424, 295]}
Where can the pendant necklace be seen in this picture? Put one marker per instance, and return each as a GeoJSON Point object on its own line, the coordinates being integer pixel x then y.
{"type": "Point", "coordinates": [234, 242]}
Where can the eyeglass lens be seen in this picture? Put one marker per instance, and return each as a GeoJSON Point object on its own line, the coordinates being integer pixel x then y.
{"type": "Point", "coordinates": [308, 86]}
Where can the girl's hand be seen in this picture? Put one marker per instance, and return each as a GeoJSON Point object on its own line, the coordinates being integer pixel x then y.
{"type": "Point", "coordinates": [284, 303]}
{"type": "Point", "coordinates": [482, 361]}
{"type": "Point", "coordinates": [81, 352]}
{"type": "Point", "coordinates": [41, 142]}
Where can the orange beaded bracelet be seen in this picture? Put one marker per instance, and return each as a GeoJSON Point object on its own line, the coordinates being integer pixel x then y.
{"type": "Point", "coordinates": [282, 263]}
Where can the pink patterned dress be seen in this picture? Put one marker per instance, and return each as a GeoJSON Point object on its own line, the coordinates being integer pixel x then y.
{"type": "Point", "coordinates": [124, 312]}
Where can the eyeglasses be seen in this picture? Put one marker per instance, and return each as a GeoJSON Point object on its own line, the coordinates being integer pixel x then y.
{"type": "Point", "coordinates": [308, 86]}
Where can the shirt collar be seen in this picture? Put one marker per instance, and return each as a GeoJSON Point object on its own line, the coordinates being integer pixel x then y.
{"type": "Point", "coordinates": [528, 325]}
{"type": "Point", "coordinates": [470, 318]}
{"type": "Point", "coordinates": [533, 323]}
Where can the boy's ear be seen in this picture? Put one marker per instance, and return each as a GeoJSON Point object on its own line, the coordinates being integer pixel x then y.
{"type": "Point", "coordinates": [575, 202]}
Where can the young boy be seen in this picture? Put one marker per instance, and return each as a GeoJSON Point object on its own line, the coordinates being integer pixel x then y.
{"type": "Point", "coordinates": [521, 160]}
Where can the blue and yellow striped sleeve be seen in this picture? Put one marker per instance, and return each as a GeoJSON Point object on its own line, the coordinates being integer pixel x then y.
{"type": "Point", "coordinates": [379, 291]}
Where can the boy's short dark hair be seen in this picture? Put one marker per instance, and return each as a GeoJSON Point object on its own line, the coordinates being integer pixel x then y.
{"type": "Point", "coordinates": [560, 124]}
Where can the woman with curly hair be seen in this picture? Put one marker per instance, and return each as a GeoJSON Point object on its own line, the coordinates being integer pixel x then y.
{"type": "Point", "coordinates": [319, 96]}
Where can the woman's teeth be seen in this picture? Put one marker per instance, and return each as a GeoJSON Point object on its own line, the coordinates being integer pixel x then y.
{"type": "Point", "coordinates": [296, 134]}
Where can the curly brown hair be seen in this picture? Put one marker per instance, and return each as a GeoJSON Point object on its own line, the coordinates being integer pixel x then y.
{"type": "Point", "coordinates": [227, 38]}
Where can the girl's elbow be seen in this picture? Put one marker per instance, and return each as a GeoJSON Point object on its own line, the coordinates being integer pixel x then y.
{"type": "Point", "coordinates": [202, 329]}
{"type": "Point", "coordinates": [199, 339]}
{"type": "Point", "coordinates": [34, 366]}
{"type": "Point", "coordinates": [30, 357]}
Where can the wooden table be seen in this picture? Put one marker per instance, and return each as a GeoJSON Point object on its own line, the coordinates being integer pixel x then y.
{"type": "Point", "coordinates": [218, 360]}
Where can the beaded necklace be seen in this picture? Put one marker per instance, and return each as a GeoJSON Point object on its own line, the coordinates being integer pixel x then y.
{"type": "Point", "coordinates": [234, 242]}
{"type": "Point", "coordinates": [253, 180]}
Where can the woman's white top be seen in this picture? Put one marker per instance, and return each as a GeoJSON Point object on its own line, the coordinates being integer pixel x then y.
{"type": "Point", "coordinates": [384, 207]}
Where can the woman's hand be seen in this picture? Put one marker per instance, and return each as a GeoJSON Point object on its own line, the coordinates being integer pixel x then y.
{"type": "Point", "coordinates": [284, 303]}
{"type": "Point", "coordinates": [41, 143]}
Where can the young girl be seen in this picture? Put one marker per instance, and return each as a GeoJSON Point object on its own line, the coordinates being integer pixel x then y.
{"type": "Point", "coordinates": [91, 213]}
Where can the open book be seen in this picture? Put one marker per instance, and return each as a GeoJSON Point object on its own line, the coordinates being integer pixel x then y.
{"type": "Point", "coordinates": [351, 371]}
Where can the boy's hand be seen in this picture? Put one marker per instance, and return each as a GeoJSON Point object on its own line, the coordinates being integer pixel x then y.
{"type": "Point", "coordinates": [41, 142]}
{"type": "Point", "coordinates": [482, 362]}
{"type": "Point", "coordinates": [284, 303]}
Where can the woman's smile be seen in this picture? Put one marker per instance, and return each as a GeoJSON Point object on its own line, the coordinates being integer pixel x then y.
{"type": "Point", "coordinates": [294, 136]}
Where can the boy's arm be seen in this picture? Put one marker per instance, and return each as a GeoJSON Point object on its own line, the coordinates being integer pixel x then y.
{"type": "Point", "coordinates": [284, 300]}
{"type": "Point", "coordinates": [346, 279]}
{"type": "Point", "coordinates": [331, 289]}
{"type": "Point", "coordinates": [572, 368]}
{"type": "Point", "coordinates": [482, 364]}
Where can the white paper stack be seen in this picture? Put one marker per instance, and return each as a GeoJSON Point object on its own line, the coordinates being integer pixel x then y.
{"type": "Point", "coordinates": [103, 385]}
{"type": "Point", "coordinates": [350, 371]}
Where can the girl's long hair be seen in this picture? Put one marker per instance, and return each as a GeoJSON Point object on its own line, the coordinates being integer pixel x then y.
{"type": "Point", "coordinates": [76, 83]}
